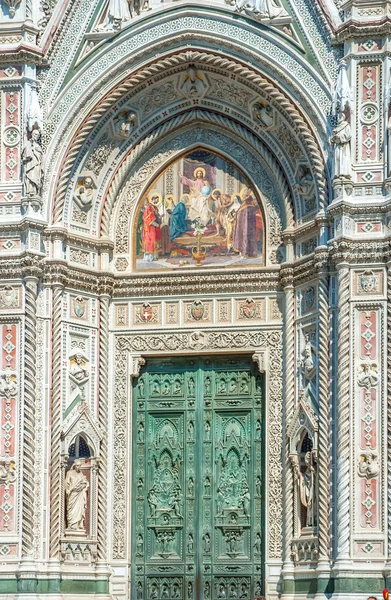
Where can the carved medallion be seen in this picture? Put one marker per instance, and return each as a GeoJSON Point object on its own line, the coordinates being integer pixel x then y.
{"type": "Point", "coordinates": [197, 310]}
{"type": "Point", "coordinates": [79, 307]}
{"type": "Point", "coordinates": [368, 282]}
{"type": "Point", "coordinates": [146, 312]}
{"type": "Point", "coordinates": [249, 308]}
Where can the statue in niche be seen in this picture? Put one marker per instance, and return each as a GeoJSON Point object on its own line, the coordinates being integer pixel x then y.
{"type": "Point", "coordinates": [140, 545]}
{"type": "Point", "coordinates": [84, 194]}
{"type": "Point", "coordinates": [368, 376]}
{"type": "Point", "coordinates": [124, 123]}
{"type": "Point", "coordinates": [191, 387]}
{"type": "Point", "coordinates": [207, 591]}
{"type": "Point", "coordinates": [190, 590]}
{"type": "Point", "coordinates": [190, 486]}
{"type": "Point", "coordinates": [76, 486]}
{"type": "Point", "coordinates": [139, 592]}
{"type": "Point", "coordinates": [307, 365]}
{"type": "Point", "coordinates": [306, 478]}
{"type": "Point", "coordinates": [154, 593]}
{"type": "Point", "coordinates": [221, 591]}
{"type": "Point", "coordinates": [32, 158]}
{"type": "Point", "coordinates": [368, 466]}
{"type": "Point", "coordinates": [165, 593]}
{"type": "Point", "coordinates": [175, 591]}
{"type": "Point", "coordinates": [232, 591]}
{"type": "Point", "coordinates": [258, 486]}
{"type": "Point", "coordinates": [190, 543]}
{"type": "Point", "coordinates": [305, 182]}
{"type": "Point", "coordinates": [193, 83]}
{"type": "Point", "coordinates": [341, 136]}
{"type": "Point", "coordinates": [243, 591]}
{"type": "Point", "coordinates": [258, 543]}
{"type": "Point", "coordinates": [206, 539]}
{"type": "Point", "coordinates": [207, 486]}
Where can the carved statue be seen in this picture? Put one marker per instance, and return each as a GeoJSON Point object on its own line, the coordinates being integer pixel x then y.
{"type": "Point", "coordinates": [154, 593]}
{"type": "Point", "coordinates": [190, 543]}
{"type": "Point", "coordinates": [306, 483]}
{"type": "Point", "coordinates": [140, 545]}
{"type": "Point", "coordinates": [32, 157]}
{"type": "Point", "coordinates": [120, 11]}
{"type": "Point", "coordinates": [304, 180]}
{"type": "Point", "coordinates": [139, 592]}
{"type": "Point", "coordinates": [76, 486]}
{"type": "Point", "coordinates": [83, 196]}
{"type": "Point", "coordinates": [307, 365]}
{"type": "Point", "coordinates": [368, 376]}
{"type": "Point", "coordinates": [207, 591]}
{"type": "Point", "coordinates": [368, 466]}
{"type": "Point", "coordinates": [124, 124]}
{"type": "Point", "coordinates": [206, 539]}
{"type": "Point", "coordinates": [341, 137]}
{"type": "Point", "coordinates": [257, 543]}
{"type": "Point", "coordinates": [152, 501]}
{"type": "Point", "coordinates": [262, 8]}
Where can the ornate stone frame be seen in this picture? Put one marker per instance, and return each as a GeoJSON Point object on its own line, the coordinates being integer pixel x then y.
{"type": "Point", "coordinates": [267, 184]}
{"type": "Point", "coordinates": [130, 352]}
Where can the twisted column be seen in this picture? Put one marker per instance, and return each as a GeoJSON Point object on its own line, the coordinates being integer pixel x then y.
{"type": "Point", "coordinates": [324, 423]}
{"type": "Point", "coordinates": [103, 419]}
{"type": "Point", "coordinates": [31, 284]}
{"type": "Point", "coordinates": [343, 413]}
{"type": "Point", "coordinates": [389, 410]}
{"type": "Point", "coordinates": [289, 393]}
{"type": "Point", "coordinates": [56, 515]}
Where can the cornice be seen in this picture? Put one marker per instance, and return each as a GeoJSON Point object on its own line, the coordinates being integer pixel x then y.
{"type": "Point", "coordinates": [353, 29]}
{"type": "Point", "coordinates": [359, 252]}
{"type": "Point", "coordinates": [351, 207]}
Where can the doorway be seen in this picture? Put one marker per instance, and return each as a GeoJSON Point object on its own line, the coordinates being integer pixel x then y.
{"type": "Point", "coordinates": [197, 508]}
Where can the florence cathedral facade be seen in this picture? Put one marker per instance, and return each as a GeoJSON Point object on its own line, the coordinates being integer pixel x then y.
{"type": "Point", "coordinates": [195, 299]}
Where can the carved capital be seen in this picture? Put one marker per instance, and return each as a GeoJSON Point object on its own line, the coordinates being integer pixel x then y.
{"type": "Point", "coordinates": [261, 359]}
{"type": "Point", "coordinates": [136, 362]}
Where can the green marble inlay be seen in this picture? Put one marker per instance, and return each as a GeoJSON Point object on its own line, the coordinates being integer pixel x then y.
{"type": "Point", "coordinates": [50, 586]}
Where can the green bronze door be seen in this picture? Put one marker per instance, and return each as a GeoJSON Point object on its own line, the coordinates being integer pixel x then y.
{"type": "Point", "coordinates": [197, 507]}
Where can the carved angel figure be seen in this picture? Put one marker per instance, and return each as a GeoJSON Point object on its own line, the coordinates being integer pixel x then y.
{"type": "Point", "coordinates": [368, 466]}
{"type": "Point", "coordinates": [368, 376]}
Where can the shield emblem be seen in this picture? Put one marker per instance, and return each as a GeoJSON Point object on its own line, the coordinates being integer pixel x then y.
{"type": "Point", "coordinates": [368, 282]}
{"type": "Point", "coordinates": [79, 307]}
{"type": "Point", "coordinates": [249, 308]}
{"type": "Point", "coordinates": [309, 298]}
{"type": "Point", "coordinates": [146, 312]}
{"type": "Point", "coordinates": [197, 310]}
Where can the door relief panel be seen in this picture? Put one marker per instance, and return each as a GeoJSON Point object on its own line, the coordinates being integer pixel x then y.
{"type": "Point", "coordinates": [197, 514]}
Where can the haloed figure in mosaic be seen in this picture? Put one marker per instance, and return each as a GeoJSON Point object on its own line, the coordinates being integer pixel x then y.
{"type": "Point", "coordinates": [210, 211]}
